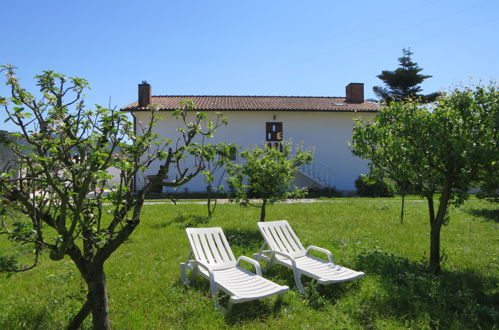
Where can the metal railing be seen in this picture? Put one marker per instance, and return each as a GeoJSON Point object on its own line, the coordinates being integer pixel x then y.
{"type": "Point", "coordinates": [320, 172]}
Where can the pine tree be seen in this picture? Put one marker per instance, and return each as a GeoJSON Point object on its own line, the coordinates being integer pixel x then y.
{"type": "Point", "coordinates": [403, 83]}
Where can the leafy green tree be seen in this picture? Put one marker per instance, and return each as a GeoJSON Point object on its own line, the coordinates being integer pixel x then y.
{"type": "Point", "coordinates": [217, 164]}
{"type": "Point", "coordinates": [403, 83]}
{"type": "Point", "coordinates": [439, 148]}
{"type": "Point", "coordinates": [63, 184]}
{"type": "Point", "coordinates": [267, 174]}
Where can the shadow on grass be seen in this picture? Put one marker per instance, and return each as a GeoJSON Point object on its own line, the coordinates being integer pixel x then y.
{"type": "Point", "coordinates": [449, 300]}
{"type": "Point", "coordinates": [260, 309]}
{"type": "Point", "coordinates": [183, 221]}
{"type": "Point", "coordinates": [27, 318]}
{"type": "Point", "coordinates": [316, 295]}
{"type": "Point", "coordinates": [486, 213]}
{"type": "Point", "coordinates": [246, 239]}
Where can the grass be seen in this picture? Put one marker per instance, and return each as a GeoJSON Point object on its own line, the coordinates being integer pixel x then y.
{"type": "Point", "coordinates": [145, 289]}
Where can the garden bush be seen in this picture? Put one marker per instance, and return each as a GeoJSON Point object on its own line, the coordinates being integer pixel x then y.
{"type": "Point", "coordinates": [371, 186]}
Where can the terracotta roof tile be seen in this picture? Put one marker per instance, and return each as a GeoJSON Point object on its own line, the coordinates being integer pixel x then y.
{"type": "Point", "coordinates": [259, 103]}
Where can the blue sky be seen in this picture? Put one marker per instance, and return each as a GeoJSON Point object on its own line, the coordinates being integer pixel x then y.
{"type": "Point", "coordinates": [302, 48]}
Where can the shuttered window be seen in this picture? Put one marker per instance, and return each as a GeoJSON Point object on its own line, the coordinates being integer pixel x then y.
{"type": "Point", "coordinates": [273, 131]}
{"type": "Point", "coordinates": [273, 135]}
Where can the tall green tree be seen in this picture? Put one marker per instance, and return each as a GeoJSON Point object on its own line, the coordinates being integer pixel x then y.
{"type": "Point", "coordinates": [442, 148]}
{"type": "Point", "coordinates": [267, 174]}
{"type": "Point", "coordinates": [62, 186]}
{"type": "Point", "coordinates": [403, 83]}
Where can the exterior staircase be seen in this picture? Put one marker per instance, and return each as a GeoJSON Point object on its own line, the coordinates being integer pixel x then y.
{"type": "Point", "coordinates": [319, 172]}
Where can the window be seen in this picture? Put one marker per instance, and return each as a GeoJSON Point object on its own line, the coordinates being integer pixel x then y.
{"type": "Point", "coordinates": [273, 131]}
{"type": "Point", "coordinates": [273, 135]}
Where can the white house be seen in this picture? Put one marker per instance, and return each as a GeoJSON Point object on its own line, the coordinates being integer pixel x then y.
{"type": "Point", "coordinates": [324, 123]}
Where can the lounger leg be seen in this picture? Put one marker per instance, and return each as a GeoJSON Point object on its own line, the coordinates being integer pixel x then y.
{"type": "Point", "coordinates": [269, 264]}
{"type": "Point", "coordinates": [214, 295]}
{"type": "Point", "coordinates": [183, 275]}
{"type": "Point", "coordinates": [297, 275]}
{"type": "Point", "coordinates": [218, 307]}
{"type": "Point", "coordinates": [194, 273]}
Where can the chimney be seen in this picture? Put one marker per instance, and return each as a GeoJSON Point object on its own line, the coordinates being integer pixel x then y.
{"type": "Point", "coordinates": [355, 92]}
{"type": "Point", "coordinates": [144, 94]}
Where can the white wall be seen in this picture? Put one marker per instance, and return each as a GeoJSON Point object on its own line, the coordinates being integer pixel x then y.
{"type": "Point", "coordinates": [116, 176]}
{"type": "Point", "coordinates": [328, 132]}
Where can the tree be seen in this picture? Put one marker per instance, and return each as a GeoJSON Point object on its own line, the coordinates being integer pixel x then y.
{"type": "Point", "coordinates": [443, 147]}
{"type": "Point", "coordinates": [62, 188]}
{"type": "Point", "coordinates": [218, 162]}
{"type": "Point", "coordinates": [403, 83]}
{"type": "Point", "coordinates": [267, 174]}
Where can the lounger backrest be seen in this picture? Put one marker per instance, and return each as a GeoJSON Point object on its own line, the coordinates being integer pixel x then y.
{"type": "Point", "coordinates": [210, 246]}
{"type": "Point", "coordinates": [280, 236]}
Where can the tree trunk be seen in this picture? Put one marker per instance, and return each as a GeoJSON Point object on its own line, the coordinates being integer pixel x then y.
{"type": "Point", "coordinates": [403, 205]}
{"type": "Point", "coordinates": [81, 316]}
{"type": "Point", "coordinates": [435, 248]}
{"type": "Point", "coordinates": [262, 213]}
{"type": "Point", "coordinates": [436, 222]}
{"type": "Point", "coordinates": [97, 295]}
{"type": "Point", "coordinates": [209, 202]}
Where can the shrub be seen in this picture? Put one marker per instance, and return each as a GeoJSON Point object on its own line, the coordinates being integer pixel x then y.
{"type": "Point", "coordinates": [490, 190]}
{"type": "Point", "coordinates": [315, 192]}
{"type": "Point", "coordinates": [371, 186]}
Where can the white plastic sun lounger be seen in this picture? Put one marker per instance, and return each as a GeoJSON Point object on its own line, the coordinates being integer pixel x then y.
{"type": "Point", "coordinates": [287, 250]}
{"type": "Point", "coordinates": [214, 260]}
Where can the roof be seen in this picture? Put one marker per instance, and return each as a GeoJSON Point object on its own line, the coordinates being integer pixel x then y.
{"type": "Point", "coordinates": [259, 103]}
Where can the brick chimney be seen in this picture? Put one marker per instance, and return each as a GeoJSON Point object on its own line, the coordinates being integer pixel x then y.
{"type": "Point", "coordinates": [144, 94]}
{"type": "Point", "coordinates": [355, 92]}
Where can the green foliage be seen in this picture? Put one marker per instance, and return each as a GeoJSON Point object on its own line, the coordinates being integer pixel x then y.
{"type": "Point", "coordinates": [403, 83]}
{"type": "Point", "coordinates": [267, 174]}
{"type": "Point", "coordinates": [489, 184]}
{"type": "Point", "coordinates": [372, 186]}
{"type": "Point", "coordinates": [216, 163]}
{"type": "Point", "coordinates": [4, 138]}
{"type": "Point", "coordinates": [8, 264]}
{"type": "Point", "coordinates": [453, 140]}
{"type": "Point", "coordinates": [490, 191]}
{"type": "Point", "coordinates": [396, 293]}
{"type": "Point", "coordinates": [445, 146]}
{"type": "Point", "coordinates": [316, 192]}
{"type": "Point", "coordinates": [63, 185]}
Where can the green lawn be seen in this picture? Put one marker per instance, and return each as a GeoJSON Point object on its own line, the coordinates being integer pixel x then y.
{"type": "Point", "coordinates": [364, 234]}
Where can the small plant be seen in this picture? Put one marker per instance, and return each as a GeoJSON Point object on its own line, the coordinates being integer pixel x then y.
{"type": "Point", "coordinates": [312, 296]}
{"type": "Point", "coordinates": [489, 189]}
{"type": "Point", "coordinates": [8, 264]}
{"type": "Point", "coordinates": [315, 192]}
{"type": "Point", "coordinates": [267, 174]}
{"type": "Point", "coordinates": [372, 186]}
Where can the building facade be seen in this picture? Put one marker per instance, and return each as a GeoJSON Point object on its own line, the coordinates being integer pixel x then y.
{"type": "Point", "coordinates": [323, 123]}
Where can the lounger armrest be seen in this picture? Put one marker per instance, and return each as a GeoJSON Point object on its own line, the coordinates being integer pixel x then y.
{"type": "Point", "coordinates": [213, 285]}
{"type": "Point", "coordinates": [251, 261]}
{"type": "Point", "coordinates": [285, 255]}
{"type": "Point", "coordinates": [327, 252]}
